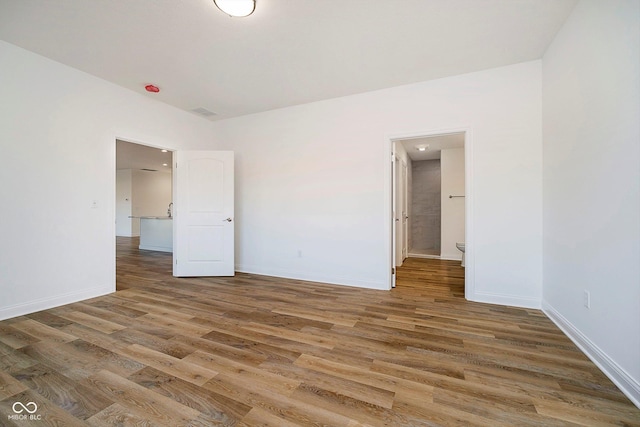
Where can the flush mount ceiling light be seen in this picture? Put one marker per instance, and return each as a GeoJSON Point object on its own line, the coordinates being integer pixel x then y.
{"type": "Point", "coordinates": [237, 8]}
{"type": "Point", "coordinates": [422, 148]}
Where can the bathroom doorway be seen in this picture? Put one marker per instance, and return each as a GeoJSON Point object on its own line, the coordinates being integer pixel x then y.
{"type": "Point", "coordinates": [429, 219]}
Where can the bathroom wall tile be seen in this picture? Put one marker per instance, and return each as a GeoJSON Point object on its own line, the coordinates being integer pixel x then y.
{"type": "Point", "coordinates": [425, 205]}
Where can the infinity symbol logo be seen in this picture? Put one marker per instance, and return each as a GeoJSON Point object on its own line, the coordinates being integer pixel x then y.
{"type": "Point", "coordinates": [23, 407]}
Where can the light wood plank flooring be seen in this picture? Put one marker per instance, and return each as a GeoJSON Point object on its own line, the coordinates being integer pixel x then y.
{"type": "Point", "coordinates": [263, 351]}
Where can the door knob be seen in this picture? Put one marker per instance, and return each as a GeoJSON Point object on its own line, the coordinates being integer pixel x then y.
{"type": "Point", "coordinates": [228, 220]}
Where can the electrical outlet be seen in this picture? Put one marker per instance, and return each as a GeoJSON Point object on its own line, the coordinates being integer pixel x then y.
{"type": "Point", "coordinates": [587, 299]}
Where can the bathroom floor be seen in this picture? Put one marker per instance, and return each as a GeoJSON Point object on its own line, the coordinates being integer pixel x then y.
{"type": "Point", "coordinates": [430, 253]}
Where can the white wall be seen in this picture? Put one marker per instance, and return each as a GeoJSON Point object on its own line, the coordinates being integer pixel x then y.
{"type": "Point", "coordinates": [140, 193]}
{"type": "Point", "coordinates": [452, 210]}
{"type": "Point", "coordinates": [591, 96]}
{"type": "Point", "coordinates": [58, 128]}
{"type": "Point", "coordinates": [123, 203]}
{"type": "Point", "coordinates": [151, 195]}
{"type": "Point", "coordinates": [314, 179]}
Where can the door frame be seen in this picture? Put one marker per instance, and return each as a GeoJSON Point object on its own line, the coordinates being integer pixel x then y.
{"type": "Point", "coordinates": [469, 280]}
{"type": "Point", "coordinates": [404, 178]}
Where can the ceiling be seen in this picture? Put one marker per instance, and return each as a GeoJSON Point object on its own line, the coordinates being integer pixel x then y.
{"type": "Point", "coordinates": [287, 52]}
{"type": "Point", "coordinates": [433, 144]}
{"type": "Point", "coordinates": [136, 156]}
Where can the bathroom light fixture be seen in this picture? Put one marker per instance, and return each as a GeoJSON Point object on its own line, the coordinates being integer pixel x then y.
{"type": "Point", "coordinates": [237, 8]}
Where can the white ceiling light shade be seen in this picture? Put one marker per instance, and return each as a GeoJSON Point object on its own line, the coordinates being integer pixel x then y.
{"type": "Point", "coordinates": [237, 8]}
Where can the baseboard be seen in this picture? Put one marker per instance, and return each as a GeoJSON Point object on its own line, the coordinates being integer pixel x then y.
{"type": "Point", "coordinates": [443, 257]}
{"type": "Point", "coordinates": [51, 302]}
{"type": "Point", "coordinates": [500, 299]}
{"type": "Point", "coordinates": [413, 255]}
{"type": "Point", "coordinates": [625, 382]}
{"type": "Point", "coordinates": [452, 257]}
{"type": "Point", "coordinates": [311, 277]}
{"type": "Point", "coordinates": [155, 248]}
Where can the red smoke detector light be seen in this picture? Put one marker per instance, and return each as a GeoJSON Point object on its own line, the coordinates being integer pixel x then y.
{"type": "Point", "coordinates": [152, 88]}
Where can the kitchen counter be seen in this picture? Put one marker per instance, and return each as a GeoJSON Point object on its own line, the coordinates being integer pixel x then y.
{"type": "Point", "coordinates": [156, 233]}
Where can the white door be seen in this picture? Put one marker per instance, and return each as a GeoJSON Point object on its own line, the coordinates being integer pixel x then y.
{"type": "Point", "coordinates": [203, 228]}
{"type": "Point", "coordinates": [394, 228]}
{"type": "Point", "coordinates": [399, 212]}
{"type": "Point", "coordinates": [404, 184]}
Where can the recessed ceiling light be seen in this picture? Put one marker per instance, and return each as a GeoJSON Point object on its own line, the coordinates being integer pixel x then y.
{"type": "Point", "coordinates": [164, 164]}
{"type": "Point", "coordinates": [422, 148]}
{"type": "Point", "coordinates": [164, 151]}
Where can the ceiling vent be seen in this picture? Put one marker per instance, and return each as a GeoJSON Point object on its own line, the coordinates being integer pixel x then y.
{"type": "Point", "coordinates": [203, 112]}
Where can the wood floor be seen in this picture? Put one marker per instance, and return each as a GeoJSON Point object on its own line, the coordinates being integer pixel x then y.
{"type": "Point", "coordinates": [261, 351]}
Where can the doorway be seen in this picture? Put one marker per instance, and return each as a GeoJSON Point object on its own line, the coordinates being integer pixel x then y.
{"type": "Point", "coordinates": [200, 235]}
{"type": "Point", "coordinates": [143, 189]}
{"type": "Point", "coordinates": [437, 197]}
{"type": "Point", "coordinates": [143, 185]}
